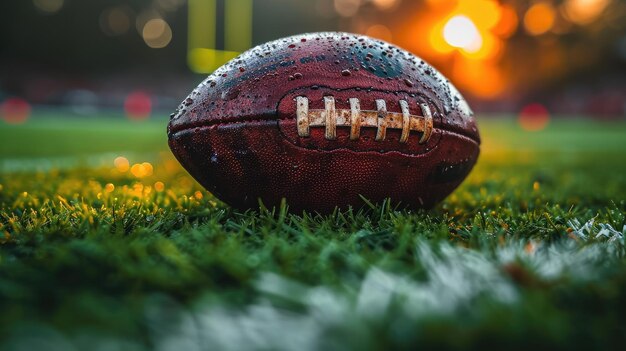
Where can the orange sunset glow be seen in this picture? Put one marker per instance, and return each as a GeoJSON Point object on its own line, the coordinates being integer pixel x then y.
{"type": "Point", "coordinates": [485, 46]}
{"type": "Point", "coordinates": [469, 37]}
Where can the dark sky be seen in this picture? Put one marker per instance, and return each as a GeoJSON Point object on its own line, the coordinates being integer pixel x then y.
{"type": "Point", "coordinates": [70, 46]}
{"type": "Point", "coordinates": [72, 41]}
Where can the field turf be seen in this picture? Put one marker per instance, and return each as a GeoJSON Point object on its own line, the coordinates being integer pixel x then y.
{"type": "Point", "coordinates": [529, 253]}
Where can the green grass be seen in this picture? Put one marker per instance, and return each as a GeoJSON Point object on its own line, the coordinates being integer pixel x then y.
{"type": "Point", "coordinates": [529, 252]}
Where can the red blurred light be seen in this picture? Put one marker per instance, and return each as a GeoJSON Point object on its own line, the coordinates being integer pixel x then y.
{"type": "Point", "coordinates": [138, 105]}
{"type": "Point", "coordinates": [534, 117]}
{"type": "Point", "coordinates": [15, 110]}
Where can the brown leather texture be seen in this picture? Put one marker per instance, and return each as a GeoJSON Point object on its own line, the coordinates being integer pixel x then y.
{"type": "Point", "coordinates": [236, 132]}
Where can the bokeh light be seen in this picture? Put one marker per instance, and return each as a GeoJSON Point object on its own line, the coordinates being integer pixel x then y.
{"type": "Point", "coordinates": [121, 164]}
{"type": "Point", "coordinates": [109, 187]}
{"type": "Point", "coordinates": [49, 6]}
{"type": "Point", "coordinates": [138, 105]}
{"type": "Point", "coordinates": [481, 78]}
{"type": "Point", "coordinates": [15, 110]}
{"type": "Point", "coordinates": [157, 33]}
{"type": "Point", "coordinates": [141, 170]}
{"type": "Point", "coordinates": [449, 34]}
{"type": "Point", "coordinates": [534, 117]}
{"type": "Point", "coordinates": [347, 8]}
{"type": "Point", "coordinates": [491, 48]}
{"type": "Point", "coordinates": [484, 13]}
{"type": "Point", "coordinates": [508, 22]}
{"type": "Point", "coordinates": [385, 4]}
{"type": "Point", "coordinates": [159, 186]}
{"type": "Point", "coordinates": [469, 37]}
{"type": "Point", "coordinates": [148, 168]}
{"type": "Point", "coordinates": [115, 20]}
{"type": "Point", "coordinates": [584, 11]}
{"type": "Point", "coordinates": [539, 18]}
{"type": "Point", "coordinates": [437, 41]}
{"type": "Point", "coordinates": [461, 32]}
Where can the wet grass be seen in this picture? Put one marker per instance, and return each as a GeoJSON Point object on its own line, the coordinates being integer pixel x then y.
{"type": "Point", "coordinates": [528, 252]}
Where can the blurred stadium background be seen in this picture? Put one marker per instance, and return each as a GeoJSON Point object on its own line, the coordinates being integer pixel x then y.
{"type": "Point", "coordinates": [139, 58]}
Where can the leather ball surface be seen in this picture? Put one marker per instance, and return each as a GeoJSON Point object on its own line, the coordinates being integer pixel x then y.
{"type": "Point", "coordinates": [322, 119]}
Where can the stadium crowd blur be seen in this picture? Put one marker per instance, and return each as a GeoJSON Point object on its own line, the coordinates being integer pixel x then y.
{"type": "Point", "coordinates": [562, 57]}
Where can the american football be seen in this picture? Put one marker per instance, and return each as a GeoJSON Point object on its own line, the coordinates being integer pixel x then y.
{"type": "Point", "coordinates": [326, 120]}
{"type": "Point", "coordinates": [346, 175]}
